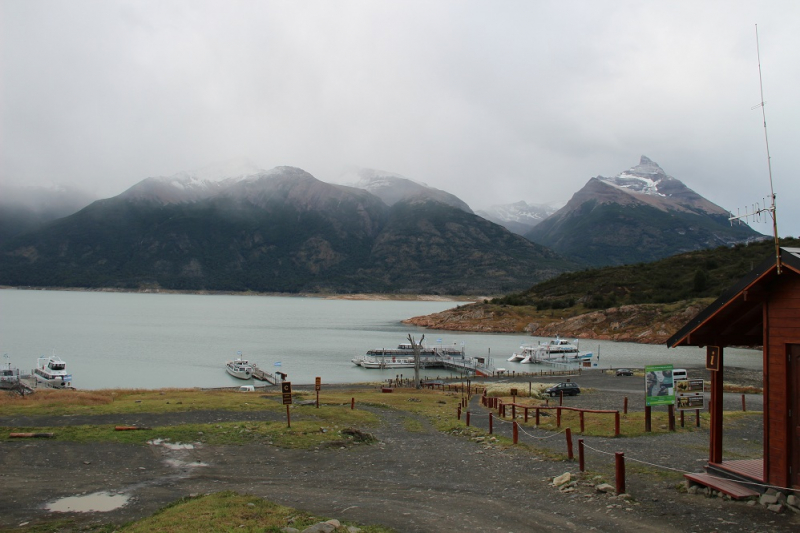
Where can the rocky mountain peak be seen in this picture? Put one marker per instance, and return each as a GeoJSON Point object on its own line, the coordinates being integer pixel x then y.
{"type": "Point", "coordinates": [645, 178]}
{"type": "Point", "coordinates": [393, 188]}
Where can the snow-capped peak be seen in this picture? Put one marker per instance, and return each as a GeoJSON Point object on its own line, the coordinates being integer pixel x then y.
{"type": "Point", "coordinates": [644, 178]}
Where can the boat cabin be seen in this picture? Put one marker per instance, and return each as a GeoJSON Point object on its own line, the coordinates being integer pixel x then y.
{"type": "Point", "coordinates": [761, 310]}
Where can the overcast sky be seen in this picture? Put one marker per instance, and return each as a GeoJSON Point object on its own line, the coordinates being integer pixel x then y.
{"type": "Point", "coordinates": [494, 101]}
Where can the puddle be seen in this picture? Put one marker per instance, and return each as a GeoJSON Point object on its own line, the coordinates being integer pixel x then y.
{"type": "Point", "coordinates": [99, 502]}
{"type": "Point", "coordinates": [170, 445]}
{"type": "Point", "coordinates": [177, 463]}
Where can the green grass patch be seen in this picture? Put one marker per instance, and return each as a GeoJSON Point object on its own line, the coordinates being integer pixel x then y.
{"type": "Point", "coordinates": [121, 401]}
{"type": "Point", "coordinates": [229, 511]}
{"type": "Point", "coordinates": [413, 425]}
{"type": "Point", "coordinates": [325, 428]}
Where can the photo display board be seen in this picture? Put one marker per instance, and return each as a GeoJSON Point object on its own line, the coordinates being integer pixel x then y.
{"type": "Point", "coordinates": [689, 394]}
{"type": "Point", "coordinates": [659, 389]}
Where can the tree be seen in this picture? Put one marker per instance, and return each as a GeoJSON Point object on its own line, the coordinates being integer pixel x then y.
{"type": "Point", "coordinates": [416, 348]}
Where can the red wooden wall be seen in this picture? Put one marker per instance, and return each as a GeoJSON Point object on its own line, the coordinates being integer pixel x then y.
{"type": "Point", "coordinates": [781, 327]}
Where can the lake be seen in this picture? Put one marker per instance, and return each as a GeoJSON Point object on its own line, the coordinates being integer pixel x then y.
{"type": "Point", "coordinates": [135, 340]}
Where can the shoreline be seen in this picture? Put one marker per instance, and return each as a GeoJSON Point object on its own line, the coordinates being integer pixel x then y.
{"type": "Point", "coordinates": [324, 296]}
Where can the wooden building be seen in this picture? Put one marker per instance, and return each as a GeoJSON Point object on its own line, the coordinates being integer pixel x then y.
{"type": "Point", "coordinates": [762, 309]}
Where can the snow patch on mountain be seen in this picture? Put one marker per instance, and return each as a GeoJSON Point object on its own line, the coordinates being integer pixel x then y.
{"type": "Point", "coordinates": [519, 217]}
{"type": "Point", "coordinates": [644, 178]}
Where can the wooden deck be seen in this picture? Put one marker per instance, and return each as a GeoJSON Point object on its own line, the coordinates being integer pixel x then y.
{"type": "Point", "coordinates": [726, 486]}
{"type": "Point", "coordinates": [743, 469]}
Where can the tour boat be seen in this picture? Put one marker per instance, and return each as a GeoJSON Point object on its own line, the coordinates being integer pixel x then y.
{"type": "Point", "coordinates": [555, 350]}
{"type": "Point", "coordinates": [239, 368]}
{"type": "Point", "coordinates": [403, 356]}
{"type": "Point", "coordinates": [51, 371]}
{"type": "Point", "coordinates": [9, 376]}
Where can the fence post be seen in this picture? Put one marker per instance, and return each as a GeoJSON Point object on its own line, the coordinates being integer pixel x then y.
{"type": "Point", "coordinates": [648, 418]}
{"type": "Point", "coordinates": [467, 418]}
{"type": "Point", "coordinates": [459, 412]}
{"type": "Point", "coordinates": [581, 464]}
{"type": "Point", "coordinates": [526, 415]}
{"type": "Point", "coordinates": [561, 397]}
{"type": "Point", "coordinates": [570, 455]}
{"type": "Point", "coordinates": [558, 418]}
{"type": "Point", "coordinates": [491, 423]}
{"type": "Point", "coordinates": [352, 403]}
{"type": "Point", "coordinates": [581, 413]}
{"type": "Point", "coordinates": [616, 424]}
{"type": "Point", "coordinates": [625, 406]}
{"type": "Point", "coordinates": [619, 469]}
{"type": "Point", "coordinates": [537, 417]}
{"type": "Point", "coordinates": [516, 432]}
{"type": "Point", "coordinates": [744, 406]}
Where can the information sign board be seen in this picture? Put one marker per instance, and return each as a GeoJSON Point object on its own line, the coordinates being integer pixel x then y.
{"type": "Point", "coordinates": [689, 394]}
{"type": "Point", "coordinates": [286, 390]}
{"type": "Point", "coordinates": [318, 384]}
{"type": "Point", "coordinates": [712, 358]}
{"type": "Point", "coordinates": [659, 388]}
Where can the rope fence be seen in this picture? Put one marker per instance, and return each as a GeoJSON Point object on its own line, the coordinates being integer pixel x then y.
{"type": "Point", "coordinates": [619, 457]}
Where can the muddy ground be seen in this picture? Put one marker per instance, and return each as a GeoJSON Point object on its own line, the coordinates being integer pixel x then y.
{"type": "Point", "coordinates": [414, 481]}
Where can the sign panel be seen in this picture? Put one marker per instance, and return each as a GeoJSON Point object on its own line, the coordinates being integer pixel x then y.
{"type": "Point", "coordinates": [659, 388]}
{"type": "Point", "coordinates": [689, 385]}
{"type": "Point", "coordinates": [689, 394]}
{"type": "Point", "coordinates": [513, 392]}
{"type": "Point", "coordinates": [318, 384]}
{"type": "Point", "coordinates": [286, 390]}
{"type": "Point", "coordinates": [691, 402]}
{"type": "Point", "coordinates": [712, 358]}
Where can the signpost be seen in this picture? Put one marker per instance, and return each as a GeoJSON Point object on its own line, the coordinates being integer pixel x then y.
{"type": "Point", "coordinates": [286, 390]}
{"type": "Point", "coordinates": [317, 387]}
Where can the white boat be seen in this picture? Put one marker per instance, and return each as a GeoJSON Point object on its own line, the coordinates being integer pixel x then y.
{"type": "Point", "coordinates": [52, 372]}
{"type": "Point", "coordinates": [9, 376]}
{"type": "Point", "coordinates": [518, 357]}
{"type": "Point", "coordinates": [239, 368]}
{"type": "Point", "coordinates": [403, 356]}
{"type": "Point", "coordinates": [555, 350]}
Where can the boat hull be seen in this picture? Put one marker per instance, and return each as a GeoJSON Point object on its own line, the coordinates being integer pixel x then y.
{"type": "Point", "coordinates": [239, 374]}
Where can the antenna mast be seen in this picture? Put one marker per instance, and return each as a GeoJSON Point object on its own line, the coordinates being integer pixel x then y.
{"type": "Point", "coordinates": [757, 210]}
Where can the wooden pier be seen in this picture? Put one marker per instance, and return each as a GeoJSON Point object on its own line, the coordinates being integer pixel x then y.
{"type": "Point", "coordinates": [264, 376]}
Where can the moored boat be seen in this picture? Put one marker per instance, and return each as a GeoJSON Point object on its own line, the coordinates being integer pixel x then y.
{"type": "Point", "coordinates": [555, 350]}
{"type": "Point", "coordinates": [403, 356]}
{"type": "Point", "coordinates": [51, 371]}
{"type": "Point", "coordinates": [9, 376]}
{"type": "Point", "coordinates": [239, 368]}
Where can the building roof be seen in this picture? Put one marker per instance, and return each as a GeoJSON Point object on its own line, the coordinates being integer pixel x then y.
{"type": "Point", "coordinates": [735, 318]}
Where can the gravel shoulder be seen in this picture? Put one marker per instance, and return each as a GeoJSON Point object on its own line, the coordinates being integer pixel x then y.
{"type": "Point", "coordinates": [414, 481]}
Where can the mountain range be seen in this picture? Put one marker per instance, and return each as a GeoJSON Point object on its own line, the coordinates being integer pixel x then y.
{"type": "Point", "coordinates": [280, 230]}
{"type": "Point", "coordinates": [640, 215]}
{"type": "Point", "coordinates": [237, 227]}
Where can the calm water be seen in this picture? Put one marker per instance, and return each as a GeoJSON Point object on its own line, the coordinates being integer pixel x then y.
{"type": "Point", "coordinates": [121, 340]}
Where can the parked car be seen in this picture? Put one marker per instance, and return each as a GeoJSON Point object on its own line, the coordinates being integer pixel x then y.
{"type": "Point", "coordinates": [569, 389]}
{"type": "Point", "coordinates": [624, 372]}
